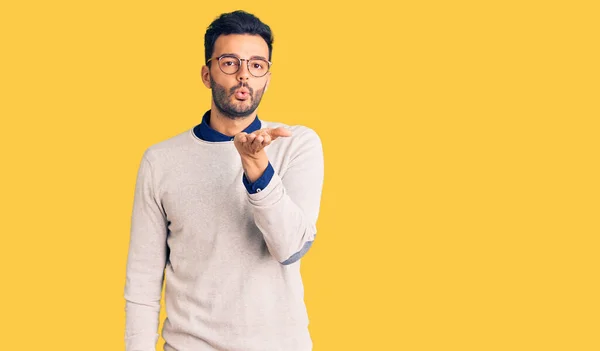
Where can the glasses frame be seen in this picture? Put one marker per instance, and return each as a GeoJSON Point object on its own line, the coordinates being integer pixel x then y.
{"type": "Point", "coordinates": [240, 64]}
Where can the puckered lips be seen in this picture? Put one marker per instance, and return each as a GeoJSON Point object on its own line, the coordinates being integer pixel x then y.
{"type": "Point", "coordinates": [242, 94]}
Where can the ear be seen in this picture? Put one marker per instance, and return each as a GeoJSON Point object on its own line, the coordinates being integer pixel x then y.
{"type": "Point", "coordinates": [205, 75]}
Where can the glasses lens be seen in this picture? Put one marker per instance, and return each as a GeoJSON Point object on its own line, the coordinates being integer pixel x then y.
{"type": "Point", "coordinates": [229, 65]}
{"type": "Point", "coordinates": [258, 67]}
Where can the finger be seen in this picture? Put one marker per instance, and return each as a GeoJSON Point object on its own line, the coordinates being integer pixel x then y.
{"type": "Point", "coordinates": [267, 140]}
{"type": "Point", "coordinates": [237, 139]}
{"type": "Point", "coordinates": [250, 141]}
{"type": "Point", "coordinates": [260, 134]}
{"type": "Point", "coordinates": [279, 132]}
{"type": "Point", "coordinates": [257, 143]}
{"type": "Point", "coordinates": [241, 137]}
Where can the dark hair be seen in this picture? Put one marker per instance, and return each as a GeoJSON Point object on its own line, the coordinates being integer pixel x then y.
{"type": "Point", "coordinates": [236, 22]}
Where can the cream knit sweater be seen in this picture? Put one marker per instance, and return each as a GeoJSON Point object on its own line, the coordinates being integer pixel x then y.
{"type": "Point", "coordinates": [230, 258]}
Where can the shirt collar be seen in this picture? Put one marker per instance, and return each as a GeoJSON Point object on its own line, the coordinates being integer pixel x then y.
{"type": "Point", "coordinates": [205, 132]}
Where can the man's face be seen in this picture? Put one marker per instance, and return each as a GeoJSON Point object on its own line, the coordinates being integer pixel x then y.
{"type": "Point", "coordinates": [239, 94]}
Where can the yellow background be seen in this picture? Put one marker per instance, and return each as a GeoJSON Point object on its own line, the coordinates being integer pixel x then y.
{"type": "Point", "coordinates": [460, 204]}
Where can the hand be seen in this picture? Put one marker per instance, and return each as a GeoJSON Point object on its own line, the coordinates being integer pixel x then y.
{"type": "Point", "coordinates": [250, 145]}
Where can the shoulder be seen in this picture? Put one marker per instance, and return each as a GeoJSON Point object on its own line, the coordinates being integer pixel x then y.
{"type": "Point", "coordinates": [168, 148]}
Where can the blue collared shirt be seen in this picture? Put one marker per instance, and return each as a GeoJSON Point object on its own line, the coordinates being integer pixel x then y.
{"type": "Point", "coordinates": [205, 132]}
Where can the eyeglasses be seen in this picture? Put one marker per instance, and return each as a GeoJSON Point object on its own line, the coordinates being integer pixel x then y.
{"type": "Point", "coordinates": [230, 64]}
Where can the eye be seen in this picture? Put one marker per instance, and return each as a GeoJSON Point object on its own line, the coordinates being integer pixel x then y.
{"type": "Point", "coordinates": [229, 61]}
{"type": "Point", "coordinates": [258, 65]}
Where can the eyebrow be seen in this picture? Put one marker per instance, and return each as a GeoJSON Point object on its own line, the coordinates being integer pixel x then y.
{"type": "Point", "coordinates": [251, 57]}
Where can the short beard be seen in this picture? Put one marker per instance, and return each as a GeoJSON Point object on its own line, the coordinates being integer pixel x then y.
{"type": "Point", "coordinates": [221, 99]}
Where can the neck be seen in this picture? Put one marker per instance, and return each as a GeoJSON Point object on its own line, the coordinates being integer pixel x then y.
{"type": "Point", "coordinates": [226, 125]}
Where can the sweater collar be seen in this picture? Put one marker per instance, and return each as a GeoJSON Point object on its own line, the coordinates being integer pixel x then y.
{"type": "Point", "coordinates": [205, 132]}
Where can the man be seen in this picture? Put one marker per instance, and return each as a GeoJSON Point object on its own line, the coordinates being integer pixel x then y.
{"type": "Point", "coordinates": [225, 210]}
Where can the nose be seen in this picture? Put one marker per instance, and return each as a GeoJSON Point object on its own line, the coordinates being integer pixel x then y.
{"type": "Point", "coordinates": [243, 74]}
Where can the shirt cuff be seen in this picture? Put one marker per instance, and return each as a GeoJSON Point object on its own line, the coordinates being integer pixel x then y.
{"type": "Point", "coordinates": [261, 182]}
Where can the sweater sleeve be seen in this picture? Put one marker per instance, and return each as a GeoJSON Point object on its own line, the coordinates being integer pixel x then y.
{"type": "Point", "coordinates": [286, 211]}
{"type": "Point", "coordinates": [145, 263]}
